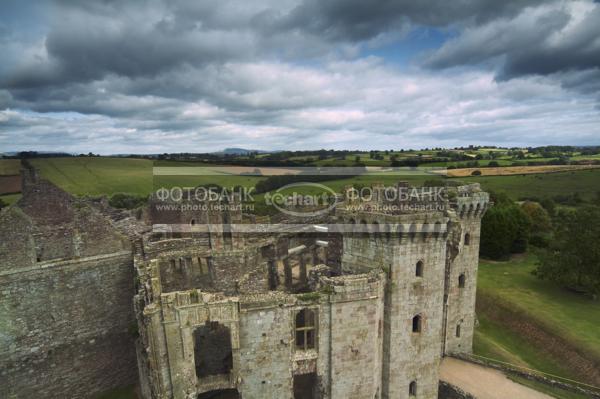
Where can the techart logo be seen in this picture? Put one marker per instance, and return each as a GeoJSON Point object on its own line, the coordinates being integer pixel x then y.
{"type": "Point", "coordinates": [303, 199]}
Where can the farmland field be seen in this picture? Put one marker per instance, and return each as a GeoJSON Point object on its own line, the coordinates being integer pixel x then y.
{"type": "Point", "coordinates": [9, 166]}
{"type": "Point", "coordinates": [97, 176]}
{"type": "Point", "coordinates": [517, 170]}
{"type": "Point", "coordinates": [584, 182]}
{"type": "Point", "coordinates": [105, 176]}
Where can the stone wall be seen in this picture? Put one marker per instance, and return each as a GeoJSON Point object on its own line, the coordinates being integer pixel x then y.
{"type": "Point", "coordinates": [449, 391]}
{"type": "Point", "coordinates": [66, 283]}
{"type": "Point", "coordinates": [267, 344]}
{"type": "Point", "coordinates": [67, 328]}
{"type": "Point", "coordinates": [356, 339]}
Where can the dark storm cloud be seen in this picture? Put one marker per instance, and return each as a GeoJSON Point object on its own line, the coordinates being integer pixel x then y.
{"type": "Point", "coordinates": [88, 40]}
{"type": "Point", "coordinates": [361, 20]}
{"type": "Point", "coordinates": [558, 39]}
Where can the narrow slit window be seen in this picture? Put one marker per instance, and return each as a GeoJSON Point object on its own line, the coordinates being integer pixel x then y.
{"type": "Point", "coordinates": [416, 324]}
{"type": "Point", "coordinates": [419, 269]}
{"type": "Point", "coordinates": [412, 388]}
{"type": "Point", "coordinates": [461, 281]}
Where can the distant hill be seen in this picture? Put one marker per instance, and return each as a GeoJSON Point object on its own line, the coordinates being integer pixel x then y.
{"type": "Point", "coordinates": [239, 151]}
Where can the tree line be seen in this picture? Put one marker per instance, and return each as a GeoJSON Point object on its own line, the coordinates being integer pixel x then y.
{"type": "Point", "coordinates": [566, 239]}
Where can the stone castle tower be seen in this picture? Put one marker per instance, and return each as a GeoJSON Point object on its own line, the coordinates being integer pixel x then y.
{"type": "Point", "coordinates": [396, 294]}
{"type": "Point", "coordinates": [431, 260]}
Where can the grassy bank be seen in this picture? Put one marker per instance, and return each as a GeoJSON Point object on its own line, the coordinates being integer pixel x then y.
{"type": "Point", "coordinates": [569, 315]}
{"type": "Point", "coordinates": [536, 324]}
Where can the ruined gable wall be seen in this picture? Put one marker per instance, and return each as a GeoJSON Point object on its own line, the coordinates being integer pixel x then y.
{"type": "Point", "coordinates": [66, 328]}
{"type": "Point", "coordinates": [63, 226]}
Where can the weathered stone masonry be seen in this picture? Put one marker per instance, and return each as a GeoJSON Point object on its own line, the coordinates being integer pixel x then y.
{"type": "Point", "coordinates": [361, 313]}
{"type": "Point", "coordinates": [66, 282]}
{"type": "Point", "coordinates": [399, 296]}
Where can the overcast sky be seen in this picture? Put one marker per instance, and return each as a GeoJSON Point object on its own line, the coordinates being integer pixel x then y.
{"type": "Point", "coordinates": [199, 76]}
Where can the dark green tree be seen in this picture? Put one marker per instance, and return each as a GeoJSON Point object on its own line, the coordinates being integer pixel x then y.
{"type": "Point", "coordinates": [573, 258]}
{"type": "Point", "coordinates": [505, 229]}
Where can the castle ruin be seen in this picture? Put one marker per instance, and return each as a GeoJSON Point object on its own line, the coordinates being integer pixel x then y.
{"type": "Point", "coordinates": [360, 302]}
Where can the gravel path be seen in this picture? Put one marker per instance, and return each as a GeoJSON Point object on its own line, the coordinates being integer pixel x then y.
{"type": "Point", "coordinates": [483, 382]}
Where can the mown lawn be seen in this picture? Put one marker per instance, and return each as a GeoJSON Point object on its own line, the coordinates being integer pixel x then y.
{"type": "Point", "coordinates": [495, 342]}
{"type": "Point", "coordinates": [574, 317]}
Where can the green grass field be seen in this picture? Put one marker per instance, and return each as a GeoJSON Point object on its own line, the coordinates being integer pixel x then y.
{"type": "Point", "coordinates": [97, 176]}
{"type": "Point", "coordinates": [106, 176]}
{"type": "Point", "coordinates": [568, 315]}
{"type": "Point", "coordinates": [584, 182]}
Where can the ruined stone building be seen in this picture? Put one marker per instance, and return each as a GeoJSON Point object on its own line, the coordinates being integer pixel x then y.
{"type": "Point", "coordinates": [66, 282]}
{"type": "Point", "coordinates": [360, 302]}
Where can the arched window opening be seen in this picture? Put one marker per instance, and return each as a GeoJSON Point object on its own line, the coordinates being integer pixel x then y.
{"type": "Point", "coordinates": [419, 269]}
{"type": "Point", "coordinates": [193, 222]}
{"type": "Point", "coordinates": [457, 330]}
{"type": "Point", "coordinates": [467, 239]}
{"type": "Point", "coordinates": [412, 388]}
{"type": "Point", "coordinates": [416, 324]}
{"type": "Point", "coordinates": [461, 281]}
{"type": "Point", "coordinates": [306, 329]}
